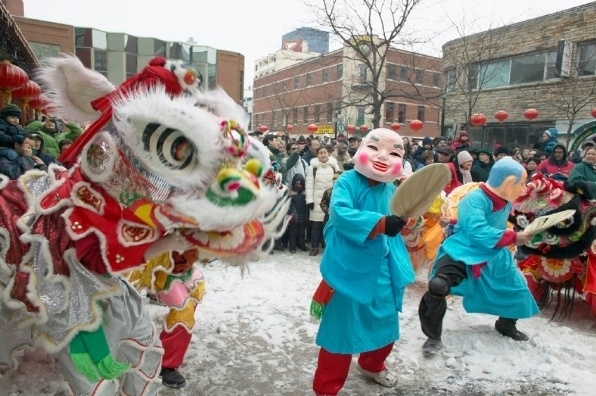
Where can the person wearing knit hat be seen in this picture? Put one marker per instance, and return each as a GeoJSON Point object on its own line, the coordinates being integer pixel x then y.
{"type": "Point", "coordinates": [460, 171]}
{"type": "Point", "coordinates": [10, 116]}
{"type": "Point", "coordinates": [549, 140]}
{"type": "Point", "coordinates": [501, 152]}
{"type": "Point", "coordinates": [462, 142]}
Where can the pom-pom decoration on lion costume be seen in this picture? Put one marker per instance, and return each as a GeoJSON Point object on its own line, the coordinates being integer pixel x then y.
{"type": "Point", "coordinates": [162, 167]}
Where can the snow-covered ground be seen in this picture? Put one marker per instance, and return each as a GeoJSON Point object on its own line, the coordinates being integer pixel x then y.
{"type": "Point", "coordinates": [254, 337]}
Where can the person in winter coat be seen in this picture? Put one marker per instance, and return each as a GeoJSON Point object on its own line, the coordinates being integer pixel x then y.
{"type": "Point", "coordinates": [463, 142]}
{"type": "Point", "coordinates": [38, 150]}
{"type": "Point", "coordinates": [557, 166]}
{"type": "Point", "coordinates": [427, 145]}
{"type": "Point", "coordinates": [298, 168]}
{"type": "Point", "coordinates": [549, 140]}
{"type": "Point", "coordinates": [342, 157]}
{"type": "Point", "coordinates": [52, 133]}
{"type": "Point", "coordinates": [297, 225]}
{"type": "Point", "coordinates": [460, 171]}
{"type": "Point", "coordinates": [10, 116]}
{"type": "Point", "coordinates": [585, 172]}
{"type": "Point", "coordinates": [24, 161]}
{"type": "Point", "coordinates": [476, 263]}
{"type": "Point", "coordinates": [482, 167]}
{"type": "Point", "coordinates": [365, 269]}
{"type": "Point", "coordinates": [319, 177]}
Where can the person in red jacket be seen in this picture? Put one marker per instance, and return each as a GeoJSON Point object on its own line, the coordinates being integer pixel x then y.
{"type": "Point", "coordinates": [556, 166]}
{"type": "Point", "coordinates": [460, 171]}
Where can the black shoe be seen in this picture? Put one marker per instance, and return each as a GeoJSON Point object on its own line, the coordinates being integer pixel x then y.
{"type": "Point", "coordinates": [431, 347]}
{"type": "Point", "coordinates": [292, 251]}
{"type": "Point", "coordinates": [172, 378]}
{"type": "Point", "coordinates": [508, 329]}
{"type": "Point", "coordinates": [304, 248]}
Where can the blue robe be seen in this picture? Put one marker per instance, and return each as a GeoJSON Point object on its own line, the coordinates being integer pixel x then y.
{"type": "Point", "coordinates": [369, 276]}
{"type": "Point", "coordinates": [501, 288]}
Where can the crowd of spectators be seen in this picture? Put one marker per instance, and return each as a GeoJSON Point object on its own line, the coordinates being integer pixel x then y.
{"type": "Point", "coordinates": [36, 145]}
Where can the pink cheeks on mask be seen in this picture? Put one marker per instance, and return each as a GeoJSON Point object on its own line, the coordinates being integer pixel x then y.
{"type": "Point", "coordinates": [396, 169]}
{"type": "Point", "coordinates": [363, 158]}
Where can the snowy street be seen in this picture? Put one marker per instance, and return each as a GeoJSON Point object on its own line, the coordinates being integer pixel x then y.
{"type": "Point", "coordinates": [254, 337]}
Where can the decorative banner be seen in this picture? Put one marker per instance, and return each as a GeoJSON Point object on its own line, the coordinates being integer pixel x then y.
{"type": "Point", "coordinates": [323, 129]}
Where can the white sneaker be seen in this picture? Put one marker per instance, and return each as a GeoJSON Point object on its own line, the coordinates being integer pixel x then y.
{"type": "Point", "coordinates": [384, 378]}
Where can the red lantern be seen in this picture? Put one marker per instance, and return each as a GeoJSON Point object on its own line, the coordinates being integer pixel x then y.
{"type": "Point", "coordinates": [263, 128]}
{"type": "Point", "coordinates": [289, 127]}
{"type": "Point", "coordinates": [395, 126]}
{"type": "Point", "coordinates": [416, 125]}
{"type": "Point", "coordinates": [531, 114]}
{"type": "Point", "coordinates": [593, 112]}
{"type": "Point", "coordinates": [478, 119]}
{"type": "Point", "coordinates": [350, 128]}
{"type": "Point", "coordinates": [364, 128]}
{"type": "Point", "coordinates": [312, 128]}
{"type": "Point", "coordinates": [11, 77]}
{"type": "Point", "coordinates": [501, 115]}
{"type": "Point", "coordinates": [41, 104]}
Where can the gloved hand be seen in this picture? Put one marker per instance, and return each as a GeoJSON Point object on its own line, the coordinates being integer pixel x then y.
{"type": "Point", "coordinates": [311, 205]}
{"type": "Point", "coordinates": [393, 225]}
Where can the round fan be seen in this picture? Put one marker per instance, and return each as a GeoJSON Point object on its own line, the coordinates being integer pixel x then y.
{"type": "Point", "coordinates": [416, 194]}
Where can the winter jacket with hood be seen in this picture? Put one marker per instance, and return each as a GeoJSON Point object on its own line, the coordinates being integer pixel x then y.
{"type": "Point", "coordinates": [52, 139]}
{"type": "Point", "coordinates": [316, 184]}
{"type": "Point", "coordinates": [550, 144]}
{"type": "Point", "coordinates": [298, 209]}
{"type": "Point", "coordinates": [559, 170]}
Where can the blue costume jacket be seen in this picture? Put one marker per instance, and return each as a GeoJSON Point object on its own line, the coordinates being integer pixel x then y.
{"type": "Point", "coordinates": [369, 276]}
{"type": "Point", "coordinates": [501, 288]}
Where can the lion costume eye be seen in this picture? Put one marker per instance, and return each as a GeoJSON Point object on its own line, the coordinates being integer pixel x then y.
{"type": "Point", "coordinates": [172, 148]}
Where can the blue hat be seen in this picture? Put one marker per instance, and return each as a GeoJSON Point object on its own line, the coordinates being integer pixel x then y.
{"type": "Point", "coordinates": [552, 132]}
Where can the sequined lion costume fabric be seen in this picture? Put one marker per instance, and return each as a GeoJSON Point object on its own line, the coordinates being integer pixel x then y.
{"type": "Point", "coordinates": [561, 259]}
{"type": "Point", "coordinates": [162, 167]}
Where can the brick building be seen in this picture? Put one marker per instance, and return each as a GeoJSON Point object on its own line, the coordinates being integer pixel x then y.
{"type": "Point", "coordinates": [547, 63]}
{"type": "Point", "coordinates": [325, 90]}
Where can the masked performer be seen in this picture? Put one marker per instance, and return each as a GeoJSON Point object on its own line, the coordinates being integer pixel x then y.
{"type": "Point", "coordinates": [475, 262]}
{"type": "Point", "coordinates": [365, 268]}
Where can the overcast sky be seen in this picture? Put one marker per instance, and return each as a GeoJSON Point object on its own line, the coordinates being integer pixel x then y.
{"type": "Point", "coordinates": [254, 28]}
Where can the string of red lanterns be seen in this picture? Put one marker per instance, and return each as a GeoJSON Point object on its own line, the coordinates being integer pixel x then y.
{"type": "Point", "coordinates": [416, 125]}
{"type": "Point", "coordinates": [478, 119]}
{"type": "Point", "coordinates": [350, 129]}
{"type": "Point", "coordinates": [501, 115]}
{"type": "Point", "coordinates": [531, 114]}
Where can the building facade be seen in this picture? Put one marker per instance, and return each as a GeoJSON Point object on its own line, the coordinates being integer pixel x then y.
{"type": "Point", "coordinates": [547, 63]}
{"type": "Point", "coordinates": [329, 91]}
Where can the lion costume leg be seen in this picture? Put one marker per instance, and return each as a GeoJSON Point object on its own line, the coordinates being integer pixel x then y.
{"type": "Point", "coordinates": [132, 338]}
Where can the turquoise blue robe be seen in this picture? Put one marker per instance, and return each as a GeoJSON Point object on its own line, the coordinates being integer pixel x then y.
{"type": "Point", "coordinates": [501, 289]}
{"type": "Point", "coordinates": [369, 276]}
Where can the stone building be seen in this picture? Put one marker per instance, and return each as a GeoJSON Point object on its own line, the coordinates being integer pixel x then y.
{"type": "Point", "coordinates": [547, 63]}
{"type": "Point", "coordinates": [328, 91]}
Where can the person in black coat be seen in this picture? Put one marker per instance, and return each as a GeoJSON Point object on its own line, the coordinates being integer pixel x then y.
{"type": "Point", "coordinates": [10, 116]}
{"type": "Point", "coordinates": [299, 212]}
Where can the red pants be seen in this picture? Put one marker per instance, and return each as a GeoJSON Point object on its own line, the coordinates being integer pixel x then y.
{"type": "Point", "coordinates": [332, 368]}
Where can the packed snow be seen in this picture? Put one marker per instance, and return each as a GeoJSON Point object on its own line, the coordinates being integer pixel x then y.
{"type": "Point", "coordinates": [254, 336]}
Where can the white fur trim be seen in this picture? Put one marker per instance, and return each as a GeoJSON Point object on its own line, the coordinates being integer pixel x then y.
{"type": "Point", "coordinates": [71, 87]}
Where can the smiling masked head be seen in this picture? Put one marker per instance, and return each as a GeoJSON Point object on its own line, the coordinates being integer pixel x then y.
{"type": "Point", "coordinates": [379, 156]}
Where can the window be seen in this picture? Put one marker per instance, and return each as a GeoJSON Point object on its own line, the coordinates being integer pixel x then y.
{"type": "Point", "coordinates": [527, 69]}
{"type": "Point", "coordinates": [305, 114]}
{"type": "Point", "coordinates": [329, 112]}
{"type": "Point", "coordinates": [360, 117]}
{"type": "Point", "coordinates": [473, 75]}
{"type": "Point", "coordinates": [273, 118]}
{"type": "Point", "coordinates": [403, 74]}
{"type": "Point", "coordinates": [101, 61]}
{"type": "Point", "coordinates": [284, 85]}
{"type": "Point", "coordinates": [275, 88]}
{"type": "Point", "coordinates": [340, 71]}
{"type": "Point", "coordinates": [131, 65]}
{"type": "Point", "coordinates": [551, 70]}
{"type": "Point", "coordinates": [325, 75]}
{"type": "Point", "coordinates": [421, 113]}
{"type": "Point", "coordinates": [419, 76]}
{"type": "Point", "coordinates": [296, 82]}
{"type": "Point", "coordinates": [295, 116]}
{"type": "Point", "coordinates": [389, 111]}
{"type": "Point", "coordinates": [436, 79]}
{"type": "Point", "coordinates": [450, 78]}
{"type": "Point", "coordinates": [317, 113]}
{"type": "Point", "coordinates": [391, 72]}
{"type": "Point", "coordinates": [586, 59]}
{"type": "Point", "coordinates": [494, 74]}
{"type": "Point", "coordinates": [362, 73]}
{"type": "Point", "coordinates": [264, 91]}
{"type": "Point", "coordinates": [308, 79]}
{"type": "Point", "coordinates": [401, 113]}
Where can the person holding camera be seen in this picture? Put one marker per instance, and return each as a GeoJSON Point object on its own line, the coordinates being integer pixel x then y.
{"type": "Point", "coordinates": [343, 157]}
{"type": "Point", "coordinates": [53, 131]}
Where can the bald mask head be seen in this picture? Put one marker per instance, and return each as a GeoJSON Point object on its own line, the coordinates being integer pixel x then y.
{"type": "Point", "coordinates": [380, 154]}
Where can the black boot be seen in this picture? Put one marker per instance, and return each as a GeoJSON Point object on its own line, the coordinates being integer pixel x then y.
{"type": "Point", "coordinates": [172, 378]}
{"type": "Point", "coordinates": [431, 347]}
{"type": "Point", "coordinates": [508, 329]}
